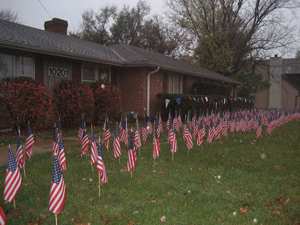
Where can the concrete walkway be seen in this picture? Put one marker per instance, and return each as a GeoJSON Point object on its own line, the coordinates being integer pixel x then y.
{"type": "Point", "coordinates": [39, 147]}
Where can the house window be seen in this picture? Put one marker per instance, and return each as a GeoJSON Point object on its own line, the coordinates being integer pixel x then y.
{"type": "Point", "coordinates": [7, 66]}
{"type": "Point", "coordinates": [95, 73]}
{"type": "Point", "coordinates": [174, 84]}
{"type": "Point", "coordinates": [25, 66]}
{"type": "Point", "coordinates": [16, 66]}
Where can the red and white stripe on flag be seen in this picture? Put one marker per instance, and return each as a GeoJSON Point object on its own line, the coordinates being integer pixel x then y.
{"type": "Point", "coordinates": [58, 189]}
{"type": "Point", "coordinates": [2, 216]}
{"type": "Point", "coordinates": [13, 179]}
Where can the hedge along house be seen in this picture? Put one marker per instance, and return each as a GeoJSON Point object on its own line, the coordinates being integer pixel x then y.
{"type": "Point", "coordinates": [284, 78]}
{"type": "Point", "coordinates": [51, 56]}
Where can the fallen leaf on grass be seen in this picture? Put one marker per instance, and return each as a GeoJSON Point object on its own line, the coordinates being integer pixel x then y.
{"type": "Point", "coordinates": [43, 217]}
{"type": "Point", "coordinates": [287, 180]}
{"type": "Point", "coordinates": [140, 181]}
{"type": "Point", "coordinates": [91, 199]}
{"type": "Point", "coordinates": [38, 198]}
{"type": "Point", "coordinates": [106, 206]}
{"type": "Point", "coordinates": [162, 218]}
{"type": "Point", "coordinates": [116, 213]}
{"type": "Point", "coordinates": [277, 167]}
{"type": "Point", "coordinates": [163, 171]}
{"type": "Point", "coordinates": [131, 222]}
{"type": "Point", "coordinates": [262, 197]}
{"type": "Point", "coordinates": [243, 211]}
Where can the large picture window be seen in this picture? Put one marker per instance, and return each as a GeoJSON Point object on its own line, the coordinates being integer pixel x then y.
{"type": "Point", "coordinates": [16, 66]}
{"type": "Point", "coordinates": [92, 73]}
{"type": "Point", "coordinates": [174, 84]}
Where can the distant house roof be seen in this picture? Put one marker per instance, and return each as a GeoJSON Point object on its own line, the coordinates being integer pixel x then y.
{"type": "Point", "coordinates": [20, 37]}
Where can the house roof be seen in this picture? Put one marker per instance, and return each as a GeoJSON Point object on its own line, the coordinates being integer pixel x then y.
{"type": "Point", "coordinates": [20, 37]}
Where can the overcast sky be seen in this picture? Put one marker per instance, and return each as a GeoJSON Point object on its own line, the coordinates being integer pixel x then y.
{"type": "Point", "coordinates": [33, 14]}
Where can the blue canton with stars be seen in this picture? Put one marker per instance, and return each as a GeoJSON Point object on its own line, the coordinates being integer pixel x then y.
{"type": "Point", "coordinates": [56, 176]}
{"type": "Point", "coordinates": [11, 164]}
{"type": "Point", "coordinates": [100, 154]}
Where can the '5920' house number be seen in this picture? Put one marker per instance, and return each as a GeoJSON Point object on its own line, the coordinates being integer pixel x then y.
{"type": "Point", "coordinates": [58, 72]}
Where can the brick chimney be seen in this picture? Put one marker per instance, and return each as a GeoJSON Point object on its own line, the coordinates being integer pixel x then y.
{"type": "Point", "coordinates": [56, 25]}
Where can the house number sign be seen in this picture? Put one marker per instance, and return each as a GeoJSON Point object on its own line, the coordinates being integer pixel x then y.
{"type": "Point", "coordinates": [58, 72]}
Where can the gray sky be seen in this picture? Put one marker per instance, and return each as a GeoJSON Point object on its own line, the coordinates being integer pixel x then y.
{"type": "Point", "coordinates": [32, 13]}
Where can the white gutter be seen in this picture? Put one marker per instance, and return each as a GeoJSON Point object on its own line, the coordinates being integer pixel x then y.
{"type": "Point", "coordinates": [148, 89]}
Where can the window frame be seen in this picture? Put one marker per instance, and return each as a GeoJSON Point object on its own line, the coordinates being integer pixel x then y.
{"type": "Point", "coordinates": [96, 69]}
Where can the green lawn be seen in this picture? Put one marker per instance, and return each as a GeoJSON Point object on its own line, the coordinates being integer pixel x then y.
{"type": "Point", "coordinates": [227, 183]}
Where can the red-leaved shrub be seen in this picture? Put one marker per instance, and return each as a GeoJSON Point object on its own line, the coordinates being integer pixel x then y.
{"type": "Point", "coordinates": [26, 100]}
{"type": "Point", "coordinates": [71, 101]}
{"type": "Point", "coordinates": [107, 102]}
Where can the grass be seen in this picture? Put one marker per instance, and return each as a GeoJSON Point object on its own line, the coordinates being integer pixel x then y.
{"type": "Point", "coordinates": [186, 191]}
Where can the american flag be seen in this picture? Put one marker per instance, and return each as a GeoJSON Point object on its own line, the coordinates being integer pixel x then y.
{"type": "Point", "coordinates": [149, 125]}
{"type": "Point", "coordinates": [107, 134]}
{"type": "Point", "coordinates": [218, 130]}
{"type": "Point", "coordinates": [239, 124]}
{"type": "Point", "coordinates": [144, 130]}
{"type": "Point", "coordinates": [124, 131]}
{"type": "Point", "coordinates": [160, 127]}
{"type": "Point", "coordinates": [94, 152]}
{"type": "Point", "coordinates": [13, 179]}
{"type": "Point", "coordinates": [132, 160]}
{"type": "Point", "coordinates": [201, 134]}
{"type": "Point", "coordinates": [259, 129]}
{"type": "Point", "coordinates": [116, 144]}
{"type": "Point", "coordinates": [20, 154]}
{"type": "Point", "coordinates": [100, 165]}
{"type": "Point", "coordinates": [2, 216]}
{"type": "Point", "coordinates": [137, 136]}
{"type": "Point", "coordinates": [173, 142]}
{"type": "Point", "coordinates": [211, 132]}
{"type": "Point", "coordinates": [185, 131]}
{"type": "Point", "coordinates": [179, 119]}
{"type": "Point", "coordinates": [81, 128]}
{"type": "Point", "coordinates": [170, 129]}
{"type": "Point", "coordinates": [168, 122]}
{"type": "Point", "coordinates": [195, 130]}
{"type": "Point", "coordinates": [55, 141]}
{"type": "Point", "coordinates": [189, 139]}
{"type": "Point", "coordinates": [61, 155]}
{"type": "Point", "coordinates": [58, 189]}
{"type": "Point", "coordinates": [29, 143]}
{"type": "Point", "coordinates": [176, 123]}
{"type": "Point", "coordinates": [224, 125]}
{"type": "Point", "coordinates": [84, 143]}
{"type": "Point", "coordinates": [156, 145]}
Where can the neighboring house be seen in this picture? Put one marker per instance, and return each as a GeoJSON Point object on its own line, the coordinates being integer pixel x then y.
{"type": "Point", "coordinates": [51, 56]}
{"type": "Point", "coordinates": [284, 78]}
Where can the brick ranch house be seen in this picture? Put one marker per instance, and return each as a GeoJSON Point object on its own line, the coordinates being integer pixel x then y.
{"type": "Point", "coordinates": [50, 56]}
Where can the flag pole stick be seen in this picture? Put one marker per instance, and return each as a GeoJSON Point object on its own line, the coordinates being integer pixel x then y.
{"type": "Point", "coordinates": [92, 168]}
{"type": "Point", "coordinates": [188, 151]}
{"type": "Point", "coordinates": [99, 185]}
{"type": "Point", "coordinates": [154, 163]}
{"type": "Point", "coordinates": [24, 172]}
{"type": "Point", "coordinates": [140, 151]}
{"type": "Point", "coordinates": [172, 157]}
{"type": "Point", "coordinates": [55, 219]}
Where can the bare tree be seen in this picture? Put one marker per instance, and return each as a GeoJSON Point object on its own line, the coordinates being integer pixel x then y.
{"type": "Point", "coordinates": [9, 15]}
{"type": "Point", "coordinates": [226, 34]}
